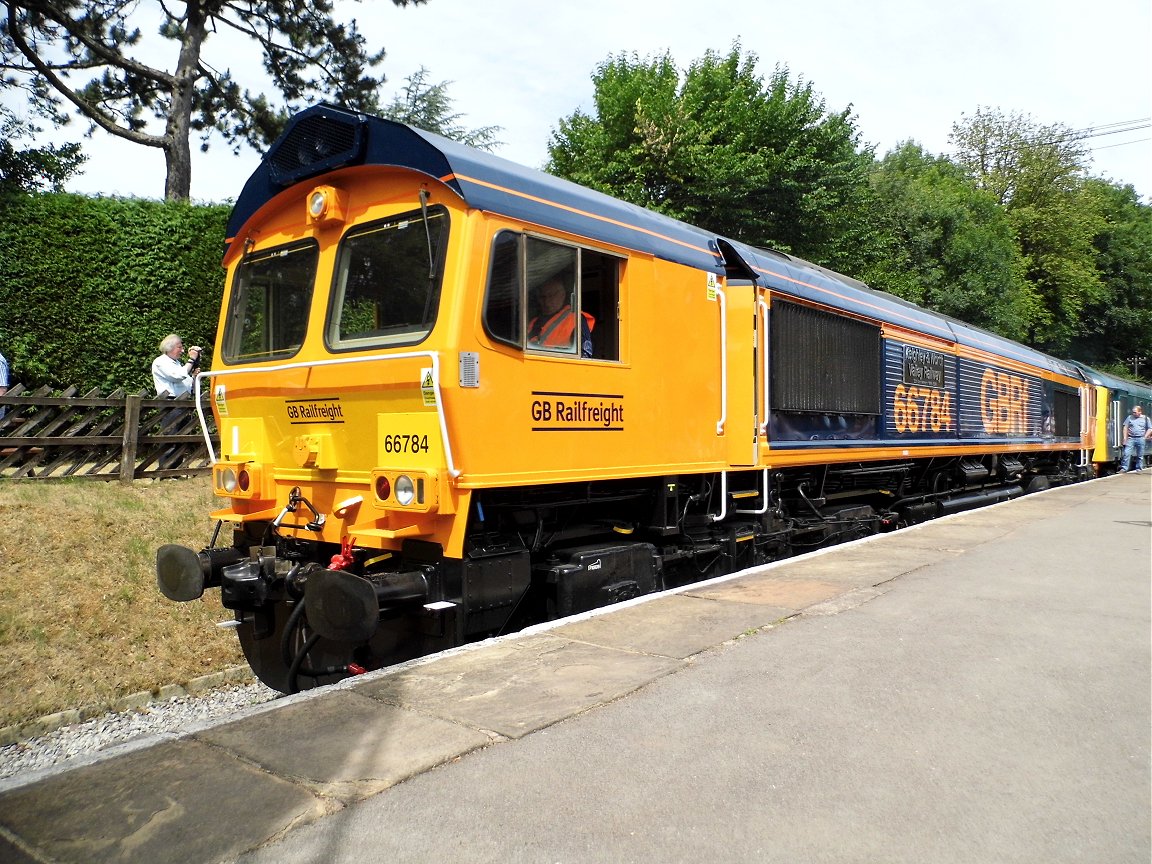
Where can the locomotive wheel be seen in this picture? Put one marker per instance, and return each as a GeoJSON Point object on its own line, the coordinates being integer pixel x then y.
{"type": "Point", "coordinates": [1037, 484]}
{"type": "Point", "coordinates": [266, 657]}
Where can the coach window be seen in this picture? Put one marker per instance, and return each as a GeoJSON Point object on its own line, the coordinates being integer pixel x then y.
{"type": "Point", "coordinates": [551, 298]}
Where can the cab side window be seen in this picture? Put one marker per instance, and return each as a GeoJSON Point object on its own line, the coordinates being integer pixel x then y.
{"type": "Point", "coordinates": [553, 298]}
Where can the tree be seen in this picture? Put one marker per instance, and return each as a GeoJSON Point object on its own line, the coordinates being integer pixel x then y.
{"type": "Point", "coordinates": [46, 44]}
{"type": "Point", "coordinates": [952, 247]}
{"type": "Point", "coordinates": [428, 106]}
{"type": "Point", "coordinates": [1118, 325]}
{"type": "Point", "coordinates": [1038, 174]}
{"type": "Point", "coordinates": [34, 169]}
{"type": "Point", "coordinates": [762, 162]}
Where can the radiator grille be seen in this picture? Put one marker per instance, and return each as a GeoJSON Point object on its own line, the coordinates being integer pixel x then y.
{"type": "Point", "coordinates": [823, 363]}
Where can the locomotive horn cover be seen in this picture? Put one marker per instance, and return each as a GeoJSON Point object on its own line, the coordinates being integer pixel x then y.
{"type": "Point", "coordinates": [179, 573]}
{"type": "Point", "coordinates": [341, 606]}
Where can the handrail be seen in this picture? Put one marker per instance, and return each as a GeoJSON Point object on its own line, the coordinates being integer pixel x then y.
{"type": "Point", "coordinates": [763, 509]}
{"type": "Point", "coordinates": [434, 356]}
{"type": "Point", "coordinates": [762, 309]}
{"type": "Point", "coordinates": [723, 499]}
{"type": "Point", "coordinates": [723, 363]}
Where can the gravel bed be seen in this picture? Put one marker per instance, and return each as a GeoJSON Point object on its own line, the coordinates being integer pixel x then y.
{"type": "Point", "coordinates": [171, 717]}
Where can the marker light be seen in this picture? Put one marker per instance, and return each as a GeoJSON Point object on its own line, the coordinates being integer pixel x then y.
{"type": "Point", "coordinates": [383, 488]}
{"type": "Point", "coordinates": [228, 480]}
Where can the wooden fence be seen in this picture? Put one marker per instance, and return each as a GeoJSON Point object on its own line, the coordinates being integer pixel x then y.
{"type": "Point", "coordinates": [121, 436]}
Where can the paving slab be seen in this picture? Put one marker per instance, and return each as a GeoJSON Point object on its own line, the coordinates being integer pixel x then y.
{"type": "Point", "coordinates": [959, 534]}
{"type": "Point", "coordinates": [345, 745]}
{"type": "Point", "coordinates": [860, 566]}
{"type": "Point", "coordinates": [181, 801]}
{"type": "Point", "coordinates": [769, 589]}
{"type": "Point", "coordinates": [513, 688]}
{"type": "Point", "coordinates": [679, 625]}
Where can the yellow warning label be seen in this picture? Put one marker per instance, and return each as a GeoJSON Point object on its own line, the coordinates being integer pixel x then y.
{"type": "Point", "coordinates": [427, 387]}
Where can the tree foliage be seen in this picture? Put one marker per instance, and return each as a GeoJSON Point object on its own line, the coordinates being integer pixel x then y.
{"type": "Point", "coordinates": [91, 311]}
{"type": "Point", "coordinates": [1118, 324]}
{"type": "Point", "coordinates": [32, 169]}
{"type": "Point", "coordinates": [760, 161]}
{"type": "Point", "coordinates": [951, 246]}
{"type": "Point", "coordinates": [1038, 174]}
{"type": "Point", "coordinates": [89, 53]}
{"type": "Point", "coordinates": [428, 106]}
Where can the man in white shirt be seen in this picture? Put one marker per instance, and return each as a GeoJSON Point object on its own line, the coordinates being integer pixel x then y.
{"type": "Point", "coordinates": [170, 375]}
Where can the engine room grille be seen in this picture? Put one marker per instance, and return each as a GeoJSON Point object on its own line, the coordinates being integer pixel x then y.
{"type": "Point", "coordinates": [1066, 411]}
{"type": "Point", "coordinates": [823, 363]}
{"type": "Point", "coordinates": [317, 143]}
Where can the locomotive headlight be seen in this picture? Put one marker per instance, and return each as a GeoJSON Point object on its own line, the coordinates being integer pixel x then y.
{"type": "Point", "coordinates": [405, 489]}
{"type": "Point", "coordinates": [317, 204]}
{"type": "Point", "coordinates": [243, 480]}
{"type": "Point", "coordinates": [326, 206]}
{"type": "Point", "coordinates": [412, 491]}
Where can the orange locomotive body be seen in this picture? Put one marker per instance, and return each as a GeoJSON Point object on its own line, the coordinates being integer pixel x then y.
{"type": "Point", "coordinates": [404, 466]}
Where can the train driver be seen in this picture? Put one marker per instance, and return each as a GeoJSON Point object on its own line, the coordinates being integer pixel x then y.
{"type": "Point", "coordinates": [554, 327]}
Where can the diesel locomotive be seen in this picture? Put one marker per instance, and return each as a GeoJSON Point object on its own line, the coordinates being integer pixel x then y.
{"type": "Point", "coordinates": [454, 396]}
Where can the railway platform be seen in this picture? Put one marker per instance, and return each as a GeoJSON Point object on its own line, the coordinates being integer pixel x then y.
{"type": "Point", "coordinates": [976, 688]}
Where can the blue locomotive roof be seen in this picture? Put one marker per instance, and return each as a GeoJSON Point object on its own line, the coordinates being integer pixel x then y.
{"type": "Point", "coordinates": [486, 182]}
{"type": "Point", "coordinates": [1138, 389]}
{"type": "Point", "coordinates": [326, 138]}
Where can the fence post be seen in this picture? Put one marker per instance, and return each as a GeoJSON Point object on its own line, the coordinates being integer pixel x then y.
{"type": "Point", "coordinates": [131, 436]}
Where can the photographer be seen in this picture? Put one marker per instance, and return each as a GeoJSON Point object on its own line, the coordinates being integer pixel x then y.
{"type": "Point", "coordinates": [171, 375]}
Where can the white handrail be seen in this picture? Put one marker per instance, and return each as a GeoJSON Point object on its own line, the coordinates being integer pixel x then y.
{"type": "Point", "coordinates": [723, 498]}
{"type": "Point", "coordinates": [723, 363]}
{"type": "Point", "coordinates": [764, 508]}
{"type": "Point", "coordinates": [340, 361]}
{"type": "Point", "coordinates": [762, 308]}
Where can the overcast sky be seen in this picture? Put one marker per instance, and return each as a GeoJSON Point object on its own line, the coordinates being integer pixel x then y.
{"type": "Point", "coordinates": [908, 68]}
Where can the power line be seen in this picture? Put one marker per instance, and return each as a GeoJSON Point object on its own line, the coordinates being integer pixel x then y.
{"type": "Point", "coordinates": [1077, 135]}
{"type": "Point", "coordinates": [1121, 144]}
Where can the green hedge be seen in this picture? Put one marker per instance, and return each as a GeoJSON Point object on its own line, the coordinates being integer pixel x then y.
{"type": "Point", "coordinates": [89, 286]}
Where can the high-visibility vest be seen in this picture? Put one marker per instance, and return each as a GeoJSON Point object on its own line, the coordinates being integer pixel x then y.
{"type": "Point", "coordinates": [556, 332]}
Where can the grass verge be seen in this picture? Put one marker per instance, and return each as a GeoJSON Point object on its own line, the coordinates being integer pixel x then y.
{"type": "Point", "coordinates": [81, 619]}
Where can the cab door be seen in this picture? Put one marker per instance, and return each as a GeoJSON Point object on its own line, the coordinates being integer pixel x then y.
{"type": "Point", "coordinates": [740, 360]}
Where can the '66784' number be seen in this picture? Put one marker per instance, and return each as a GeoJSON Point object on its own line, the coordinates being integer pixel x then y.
{"type": "Point", "coordinates": [405, 443]}
{"type": "Point", "coordinates": [918, 409]}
